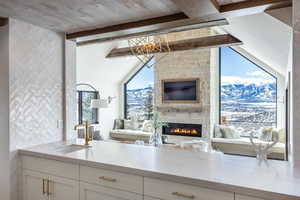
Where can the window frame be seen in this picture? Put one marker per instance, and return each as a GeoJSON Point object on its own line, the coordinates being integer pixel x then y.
{"type": "Point", "coordinates": [80, 106]}
{"type": "Point", "coordinates": [220, 80]}
{"type": "Point", "coordinates": [125, 86]}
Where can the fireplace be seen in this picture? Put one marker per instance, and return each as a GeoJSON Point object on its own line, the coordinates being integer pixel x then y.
{"type": "Point", "coordinates": [180, 129]}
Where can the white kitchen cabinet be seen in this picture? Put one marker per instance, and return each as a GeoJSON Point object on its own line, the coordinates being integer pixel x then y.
{"type": "Point", "coordinates": [96, 192]}
{"type": "Point", "coordinates": [48, 166]}
{"type": "Point", "coordinates": [241, 197]}
{"type": "Point", "coordinates": [167, 190]}
{"type": "Point", "coordinates": [42, 186]}
{"type": "Point", "coordinates": [112, 179]}
{"type": "Point", "coordinates": [47, 179]}
{"type": "Point", "coordinates": [63, 189]}
{"type": "Point", "coordinates": [34, 185]}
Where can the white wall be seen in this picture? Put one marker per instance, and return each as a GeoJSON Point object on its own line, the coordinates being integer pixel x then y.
{"type": "Point", "coordinates": [265, 37]}
{"type": "Point", "coordinates": [289, 83]}
{"type": "Point", "coordinates": [36, 89]}
{"type": "Point", "coordinates": [296, 83]}
{"type": "Point", "coordinates": [106, 76]}
{"type": "Point", "coordinates": [70, 102]}
{"type": "Point", "coordinates": [4, 116]}
{"type": "Point", "coordinates": [31, 95]}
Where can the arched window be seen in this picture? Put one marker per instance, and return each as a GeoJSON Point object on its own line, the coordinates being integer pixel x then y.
{"type": "Point", "coordinates": [248, 93]}
{"type": "Point", "coordinates": [139, 93]}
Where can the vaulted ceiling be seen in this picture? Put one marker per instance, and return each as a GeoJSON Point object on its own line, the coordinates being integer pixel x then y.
{"type": "Point", "coordinates": [102, 20]}
{"type": "Point", "coordinates": [71, 15]}
{"type": "Point", "coordinates": [77, 15]}
{"type": "Point", "coordinates": [265, 36]}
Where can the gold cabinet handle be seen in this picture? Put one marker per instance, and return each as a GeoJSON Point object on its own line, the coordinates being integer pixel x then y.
{"type": "Point", "coordinates": [48, 188]}
{"type": "Point", "coordinates": [183, 195]}
{"type": "Point", "coordinates": [44, 190]}
{"type": "Point", "coordinates": [108, 179]}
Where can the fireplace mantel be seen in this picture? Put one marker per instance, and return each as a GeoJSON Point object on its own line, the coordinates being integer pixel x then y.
{"type": "Point", "coordinates": [179, 109]}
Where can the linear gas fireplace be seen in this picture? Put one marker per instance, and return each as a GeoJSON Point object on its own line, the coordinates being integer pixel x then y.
{"type": "Point", "coordinates": [180, 129]}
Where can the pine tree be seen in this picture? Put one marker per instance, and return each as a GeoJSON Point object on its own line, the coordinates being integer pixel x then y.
{"type": "Point", "coordinates": [148, 105]}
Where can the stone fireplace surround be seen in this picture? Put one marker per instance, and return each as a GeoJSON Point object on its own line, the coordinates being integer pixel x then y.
{"type": "Point", "coordinates": [181, 65]}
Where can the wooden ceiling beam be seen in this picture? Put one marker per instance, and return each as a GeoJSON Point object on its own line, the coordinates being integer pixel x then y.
{"type": "Point", "coordinates": [3, 21]}
{"type": "Point", "coordinates": [182, 25]}
{"type": "Point", "coordinates": [212, 8]}
{"type": "Point", "coordinates": [253, 3]}
{"type": "Point", "coordinates": [130, 25]}
{"type": "Point", "coordinates": [184, 45]}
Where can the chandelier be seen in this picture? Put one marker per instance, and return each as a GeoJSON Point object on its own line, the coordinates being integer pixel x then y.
{"type": "Point", "coordinates": [144, 48]}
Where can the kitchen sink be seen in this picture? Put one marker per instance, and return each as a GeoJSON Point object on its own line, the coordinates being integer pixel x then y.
{"type": "Point", "coordinates": [71, 148]}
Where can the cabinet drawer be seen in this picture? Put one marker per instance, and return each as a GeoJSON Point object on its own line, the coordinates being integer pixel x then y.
{"type": "Point", "coordinates": [96, 192]}
{"type": "Point", "coordinates": [174, 191]}
{"type": "Point", "coordinates": [241, 197]}
{"type": "Point", "coordinates": [127, 182]}
{"type": "Point", "coordinates": [53, 167]}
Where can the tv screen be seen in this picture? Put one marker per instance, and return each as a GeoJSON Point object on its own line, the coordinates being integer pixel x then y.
{"type": "Point", "coordinates": [185, 90]}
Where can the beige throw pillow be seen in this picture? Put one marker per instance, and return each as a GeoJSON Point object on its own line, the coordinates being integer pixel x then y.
{"type": "Point", "coordinates": [147, 126]}
{"type": "Point", "coordinates": [217, 131]}
{"type": "Point", "coordinates": [229, 132]}
{"type": "Point", "coordinates": [128, 124]}
{"type": "Point", "coordinates": [266, 134]}
{"type": "Point", "coordinates": [281, 135]}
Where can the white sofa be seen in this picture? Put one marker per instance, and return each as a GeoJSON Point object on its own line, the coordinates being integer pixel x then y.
{"type": "Point", "coordinates": [129, 135]}
{"type": "Point", "coordinates": [243, 146]}
{"type": "Point", "coordinates": [129, 130]}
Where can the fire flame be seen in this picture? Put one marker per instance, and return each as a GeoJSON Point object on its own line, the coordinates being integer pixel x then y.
{"type": "Point", "coordinates": [184, 131]}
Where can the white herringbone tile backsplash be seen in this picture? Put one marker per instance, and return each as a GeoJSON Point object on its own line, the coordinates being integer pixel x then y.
{"type": "Point", "coordinates": [36, 78]}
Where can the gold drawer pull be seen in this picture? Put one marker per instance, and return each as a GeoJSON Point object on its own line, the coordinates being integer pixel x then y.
{"type": "Point", "coordinates": [48, 188]}
{"type": "Point", "coordinates": [108, 179]}
{"type": "Point", "coordinates": [44, 191]}
{"type": "Point", "coordinates": [183, 195]}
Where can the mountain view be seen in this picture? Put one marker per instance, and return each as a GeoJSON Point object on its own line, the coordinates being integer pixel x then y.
{"type": "Point", "coordinates": [249, 106]}
{"type": "Point", "coordinates": [140, 103]}
{"type": "Point", "coordinates": [248, 93]}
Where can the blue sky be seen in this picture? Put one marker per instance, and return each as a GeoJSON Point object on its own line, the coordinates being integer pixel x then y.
{"type": "Point", "coordinates": [142, 79]}
{"type": "Point", "coordinates": [237, 69]}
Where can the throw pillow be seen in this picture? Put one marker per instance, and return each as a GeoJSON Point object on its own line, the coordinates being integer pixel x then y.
{"type": "Point", "coordinates": [135, 124]}
{"type": "Point", "coordinates": [281, 135]}
{"type": "Point", "coordinates": [119, 124]}
{"type": "Point", "coordinates": [217, 131]}
{"type": "Point", "coordinates": [229, 132]}
{"type": "Point", "coordinates": [266, 134]}
{"type": "Point", "coordinates": [147, 126]}
{"type": "Point", "coordinates": [128, 124]}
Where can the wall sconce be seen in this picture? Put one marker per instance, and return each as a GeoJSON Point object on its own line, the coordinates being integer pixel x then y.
{"type": "Point", "coordinates": [99, 103]}
{"type": "Point", "coordinates": [110, 99]}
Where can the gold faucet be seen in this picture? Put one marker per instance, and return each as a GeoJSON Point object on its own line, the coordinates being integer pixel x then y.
{"type": "Point", "coordinates": [86, 126]}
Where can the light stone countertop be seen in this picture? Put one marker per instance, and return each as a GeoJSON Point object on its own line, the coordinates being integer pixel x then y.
{"type": "Point", "coordinates": [277, 180]}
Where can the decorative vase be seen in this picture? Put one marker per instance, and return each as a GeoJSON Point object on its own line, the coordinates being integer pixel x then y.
{"type": "Point", "coordinates": [262, 150]}
{"type": "Point", "coordinates": [156, 139]}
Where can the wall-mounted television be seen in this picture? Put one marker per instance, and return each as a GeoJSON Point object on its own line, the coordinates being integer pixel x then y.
{"type": "Point", "coordinates": [180, 90]}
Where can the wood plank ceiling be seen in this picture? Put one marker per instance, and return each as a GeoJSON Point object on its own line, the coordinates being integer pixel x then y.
{"type": "Point", "coordinates": [75, 15]}
{"type": "Point", "coordinates": [225, 2]}
{"type": "Point", "coordinates": [104, 20]}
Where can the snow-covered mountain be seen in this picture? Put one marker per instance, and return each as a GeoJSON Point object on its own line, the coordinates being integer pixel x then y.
{"type": "Point", "coordinates": [249, 92]}
{"type": "Point", "coordinates": [138, 96]}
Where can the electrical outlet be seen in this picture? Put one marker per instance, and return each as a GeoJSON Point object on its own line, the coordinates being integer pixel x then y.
{"type": "Point", "coordinates": [60, 124]}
